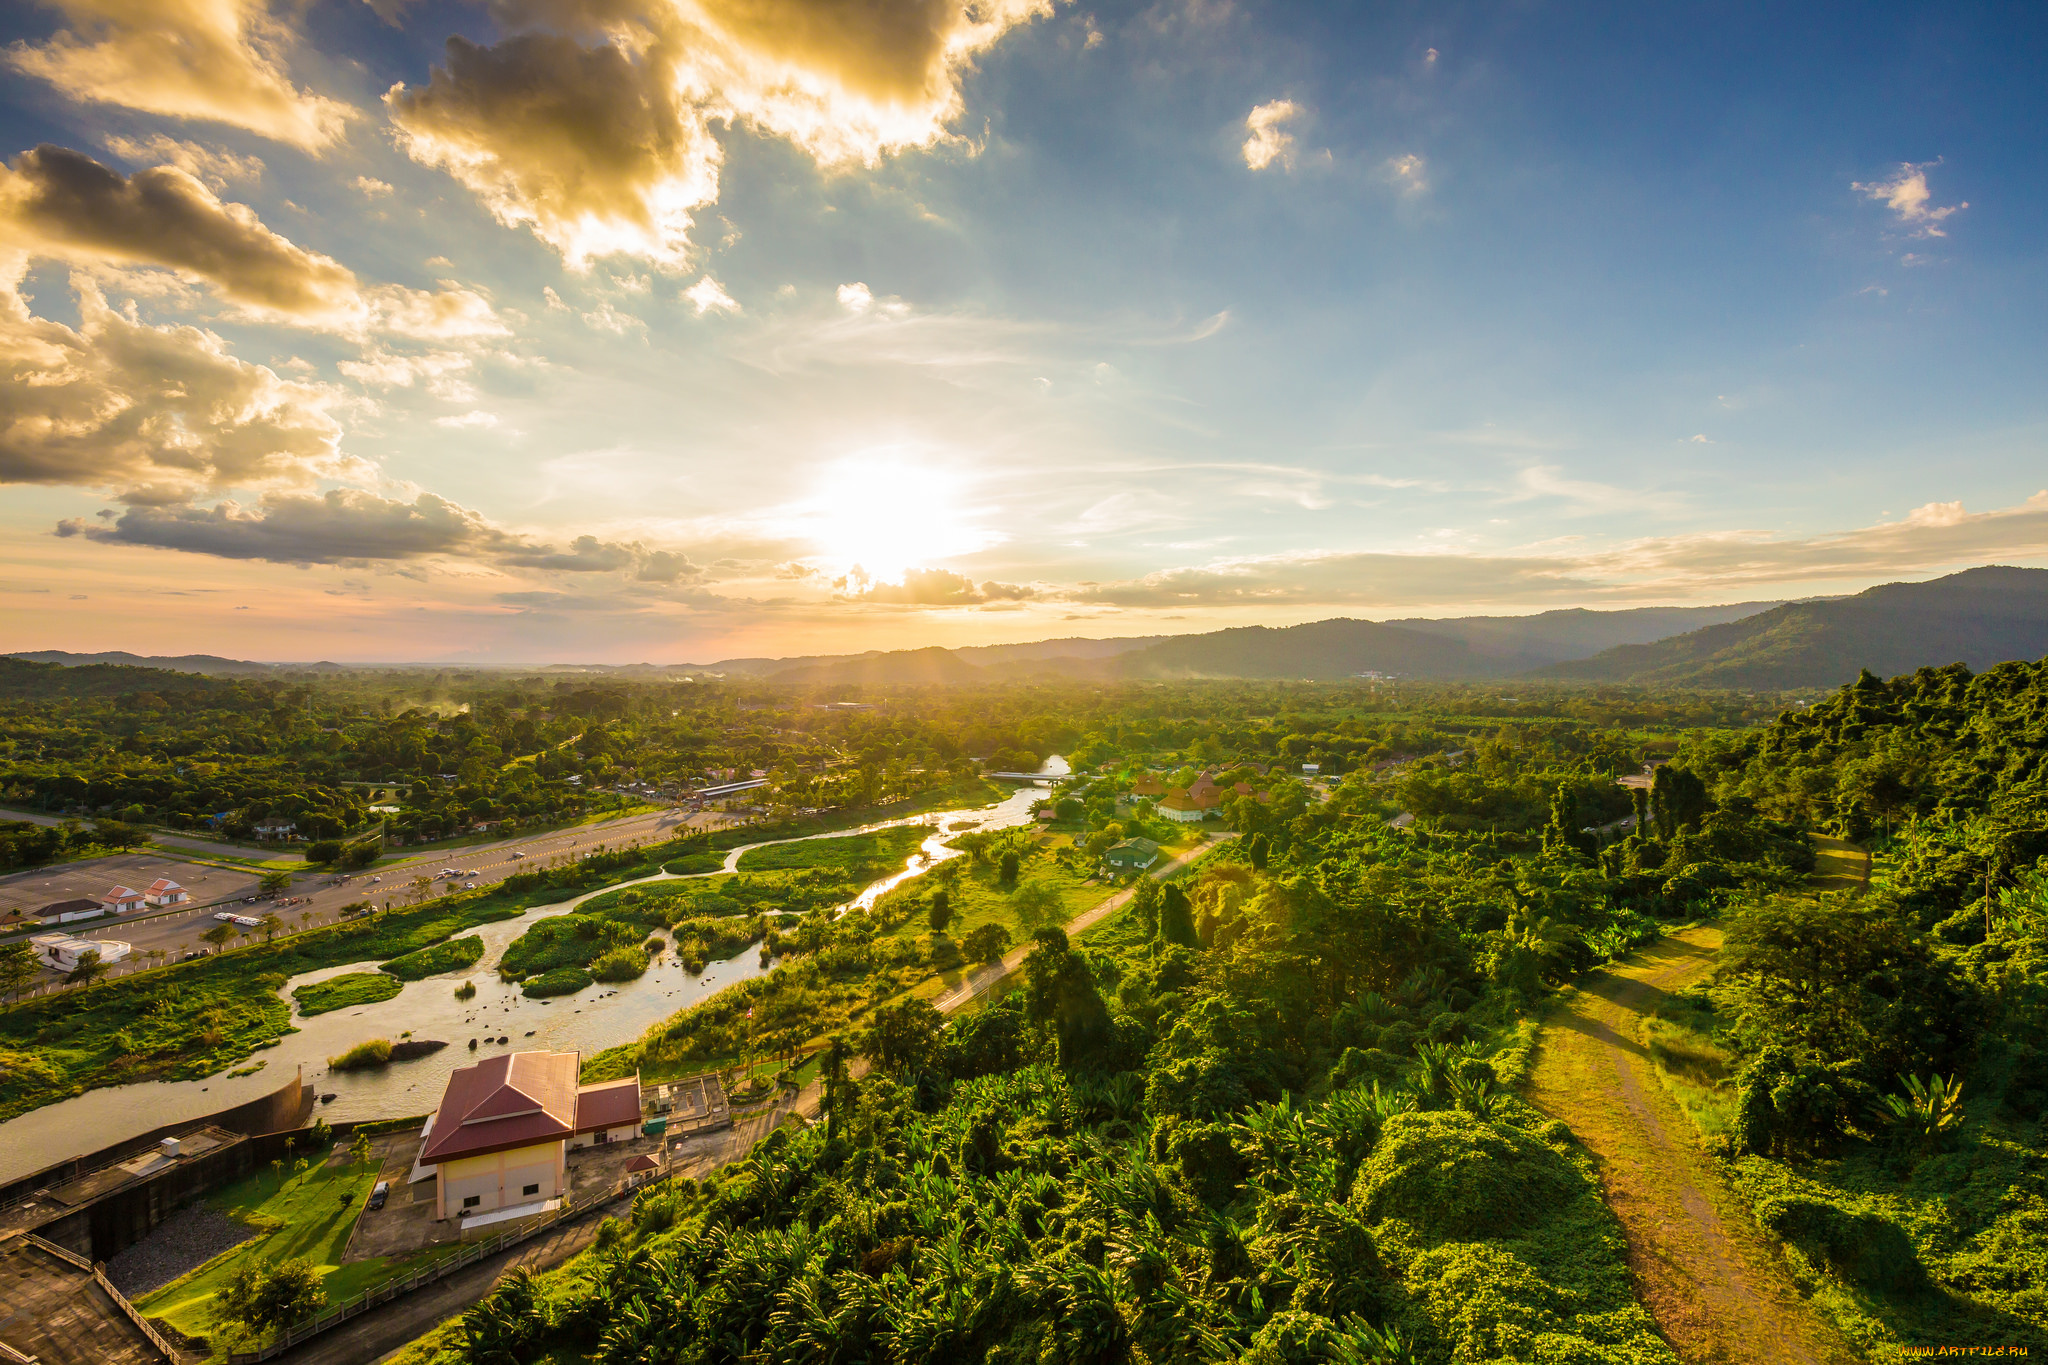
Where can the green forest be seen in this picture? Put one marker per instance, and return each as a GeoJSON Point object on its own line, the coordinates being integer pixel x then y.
{"type": "Point", "coordinates": [1278, 1106]}
{"type": "Point", "coordinates": [1273, 1111]}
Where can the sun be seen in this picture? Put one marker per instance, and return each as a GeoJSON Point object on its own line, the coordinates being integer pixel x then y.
{"type": "Point", "coordinates": [885, 514]}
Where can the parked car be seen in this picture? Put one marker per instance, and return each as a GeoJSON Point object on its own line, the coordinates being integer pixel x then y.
{"type": "Point", "coordinates": [469, 886]}
{"type": "Point", "coordinates": [380, 1194]}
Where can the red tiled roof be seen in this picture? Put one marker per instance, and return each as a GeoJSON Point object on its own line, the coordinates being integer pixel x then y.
{"type": "Point", "coordinates": [504, 1102]}
{"type": "Point", "coordinates": [163, 884]}
{"type": "Point", "coordinates": [642, 1162]}
{"type": "Point", "coordinates": [120, 893]}
{"type": "Point", "coordinates": [613, 1104]}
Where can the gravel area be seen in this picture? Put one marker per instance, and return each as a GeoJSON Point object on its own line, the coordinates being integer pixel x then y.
{"type": "Point", "coordinates": [188, 1238]}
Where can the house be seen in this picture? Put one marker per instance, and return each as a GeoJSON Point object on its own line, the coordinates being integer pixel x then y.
{"type": "Point", "coordinates": [1311, 769]}
{"type": "Point", "coordinates": [1148, 785]}
{"type": "Point", "coordinates": [164, 891]}
{"type": "Point", "coordinates": [1178, 806]}
{"type": "Point", "coordinates": [274, 829]}
{"type": "Point", "coordinates": [121, 900]}
{"type": "Point", "coordinates": [500, 1139]}
{"type": "Point", "coordinates": [1132, 855]}
{"type": "Point", "coordinates": [63, 912]}
{"type": "Point", "coordinates": [1205, 794]}
{"type": "Point", "coordinates": [609, 1112]}
{"type": "Point", "coordinates": [62, 951]}
{"type": "Point", "coordinates": [640, 1170]}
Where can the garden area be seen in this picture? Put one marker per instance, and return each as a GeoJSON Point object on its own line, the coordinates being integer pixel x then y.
{"type": "Point", "coordinates": [304, 1208]}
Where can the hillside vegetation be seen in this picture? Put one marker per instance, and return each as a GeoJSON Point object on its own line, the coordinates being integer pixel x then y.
{"type": "Point", "coordinates": [1980, 617]}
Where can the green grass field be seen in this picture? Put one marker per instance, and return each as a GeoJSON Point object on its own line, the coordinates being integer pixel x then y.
{"type": "Point", "coordinates": [341, 992]}
{"type": "Point", "coordinates": [885, 848]}
{"type": "Point", "coordinates": [306, 1213]}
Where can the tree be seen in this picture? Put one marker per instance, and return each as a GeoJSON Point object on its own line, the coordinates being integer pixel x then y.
{"type": "Point", "coordinates": [1036, 903]}
{"type": "Point", "coordinates": [259, 1297]}
{"type": "Point", "coordinates": [89, 968]}
{"type": "Point", "coordinates": [323, 851]}
{"type": "Point", "coordinates": [903, 1039]}
{"type": "Point", "coordinates": [274, 883]}
{"type": "Point", "coordinates": [119, 834]}
{"type": "Point", "coordinates": [939, 913]}
{"type": "Point", "coordinates": [1061, 992]}
{"type": "Point", "coordinates": [1008, 867]}
{"type": "Point", "coordinates": [1176, 917]}
{"type": "Point", "coordinates": [985, 943]}
{"type": "Point", "coordinates": [1258, 848]}
{"type": "Point", "coordinates": [361, 853]}
{"type": "Point", "coordinates": [19, 966]}
{"type": "Point", "coordinates": [219, 935]}
{"type": "Point", "coordinates": [270, 925]}
{"type": "Point", "coordinates": [359, 1150]}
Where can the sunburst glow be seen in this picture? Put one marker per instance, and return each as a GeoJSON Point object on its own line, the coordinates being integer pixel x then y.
{"type": "Point", "coordinates": [884, 515]}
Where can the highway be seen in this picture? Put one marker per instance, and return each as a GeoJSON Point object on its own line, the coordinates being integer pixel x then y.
{"type": "Point", "coordinates": [316, 898]}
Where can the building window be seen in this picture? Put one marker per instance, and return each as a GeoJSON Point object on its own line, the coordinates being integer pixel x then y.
{"type": "Point", "coordinates": [531, 1189]}
{"type": "Point", "coordinates": [597, 1137]}
{"type": "Point", "coordinates": [471, 1201]}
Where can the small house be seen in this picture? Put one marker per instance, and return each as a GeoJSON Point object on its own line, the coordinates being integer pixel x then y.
{"type": "Point", "coordinates": [1132, 855]}
{"type": "Point", "coordinates": [1181, 808]}
{"type": "Point", "coordinates": [640, 1170]}
{"type": "Point", "coordinates": [499, 1141]}
{"type": "Point", "coordinates": [275, 829]}
{"type": "Point", "coordinates": [63, 912]}
{"type": "Point", "coordinates": [62, 951]}
{"type": "Point", "coordinates": [164, 891]}
{"type": "Point", "coordinates": [121, 900]}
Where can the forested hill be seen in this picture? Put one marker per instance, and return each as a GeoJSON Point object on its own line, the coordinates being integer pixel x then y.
{"type": "Point", "coordinates": [24, 680]}
{"type": "Point", "coordinates": [1979, 617]}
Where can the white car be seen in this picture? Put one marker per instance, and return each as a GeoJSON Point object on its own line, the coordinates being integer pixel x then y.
{"type": "Point", "coordinates": [469, 886]}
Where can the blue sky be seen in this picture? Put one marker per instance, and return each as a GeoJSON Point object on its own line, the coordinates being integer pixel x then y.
{"type": "Point", "coordinates": [1088, 319]}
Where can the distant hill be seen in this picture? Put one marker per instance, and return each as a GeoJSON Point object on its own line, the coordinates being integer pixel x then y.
{"type": "Point", "coordinates": [1321, 650]}
{"type": "Point", "coordinates": [1979, 617]}
{"type": "Point", "coordinates": [900, 668]}
{"type": "Point", "coordinates": [28, 680]}
{"type": "Point", "coordinates": [1518, 643]}
{"type": "Point", "coordinates": [211, 665]}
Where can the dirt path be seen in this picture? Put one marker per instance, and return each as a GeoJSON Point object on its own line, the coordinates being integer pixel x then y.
{"type": "Point", "coordinates": [1714, 1287]}
{"type": "Point", "coordinates": [1840, 865]}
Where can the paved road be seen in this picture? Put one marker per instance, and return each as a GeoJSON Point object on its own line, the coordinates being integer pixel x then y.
{"type": "Point", "coordinates": [316, 898]}
{"type": "Point", "coordinates": [185, 841]}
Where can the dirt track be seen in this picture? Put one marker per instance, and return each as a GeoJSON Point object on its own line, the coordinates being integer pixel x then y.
{"type": "Point", "coordinates": [1706, 1276]}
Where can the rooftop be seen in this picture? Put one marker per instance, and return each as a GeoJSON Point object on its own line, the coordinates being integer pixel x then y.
{"type": "Point", "coordinates": [504, 1102]}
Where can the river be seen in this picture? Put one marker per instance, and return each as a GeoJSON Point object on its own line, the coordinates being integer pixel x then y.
{"type": "Point", "coordinates": [590, 1021]}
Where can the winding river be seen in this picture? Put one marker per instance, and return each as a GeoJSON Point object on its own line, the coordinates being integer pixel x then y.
{"type": "Point", "coordinates": [593, 1019]}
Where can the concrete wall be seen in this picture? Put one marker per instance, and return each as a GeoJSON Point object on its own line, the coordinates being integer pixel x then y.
{"type": "Point", "coordinates": [288, 1107]}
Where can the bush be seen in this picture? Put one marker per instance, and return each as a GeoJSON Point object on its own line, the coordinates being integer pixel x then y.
{"type": "Point", "coordinates": [451, 956]}
{"type": "Point", "coordinates": [374, 1052]}
{"type": "Point", "coordinates": [1459, 1177]}
{"type": "Point", "coordinates": [323, 851]}
{"type": "Point", "coordinates": [1862, 1248]}
{"type": "Point", "coordinates": [340, 992]}
{"type": "Point", "coordinates": [620, 964]}
{"type": "Point", "coordinates": [560, 981]}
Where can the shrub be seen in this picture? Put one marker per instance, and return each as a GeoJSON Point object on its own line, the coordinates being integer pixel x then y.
{"type": "Point", "coordinates": [340, 992]}
{"type": "Point", "coordinates": [373, 1052]}
{"type": "Point", "coordinates": [451, 956]}
{"type": "Point", "coordinates": [1862, 1248]}
{"type": "Point", "coordinates": [560, 981]}
{"type": "Point", "coordinates": [1461, 1177]}
{"type": "Point", "coordinates": [620, 964]}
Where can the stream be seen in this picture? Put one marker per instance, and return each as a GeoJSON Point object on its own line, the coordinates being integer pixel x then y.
{"type": "Point", "coordinates": [593, 1019]}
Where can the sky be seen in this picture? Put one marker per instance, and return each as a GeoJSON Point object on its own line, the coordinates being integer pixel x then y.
{"type": "Point", "coordinates": [607, 331]}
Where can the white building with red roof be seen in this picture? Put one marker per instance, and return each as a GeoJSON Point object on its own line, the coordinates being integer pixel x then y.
{"type": "Point", "coordinates": [164, 891]}
{"type": "Point", "coordinates": [500, 1139]}
{"type": "Point", "coordinates": [121, 900]}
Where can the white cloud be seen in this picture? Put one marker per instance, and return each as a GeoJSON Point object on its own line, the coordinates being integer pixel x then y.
{"type": "Point", "coordinates": [856, 297]}
{"type": "Point", "coordinates": [1906, 194]}
{"type": "Point", "coordinates": [153, 414]}
{"type": "Point", "coordinates": [708, 296]}
{"type": "Point", "coordinates": [592, 123]}
{"type": "Point", "coordinates": [372, 187]}
{"type": "Point", "coordinates": [1268, 142]}
{"type": "Point", "coordinates": [1408, 174]}
{"type": "Point", "coordinates": [469, 421]}
{"type": "Point", "coordinates": [218, 60]}
{"type": "Point", "coordinates": [217, 168]}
